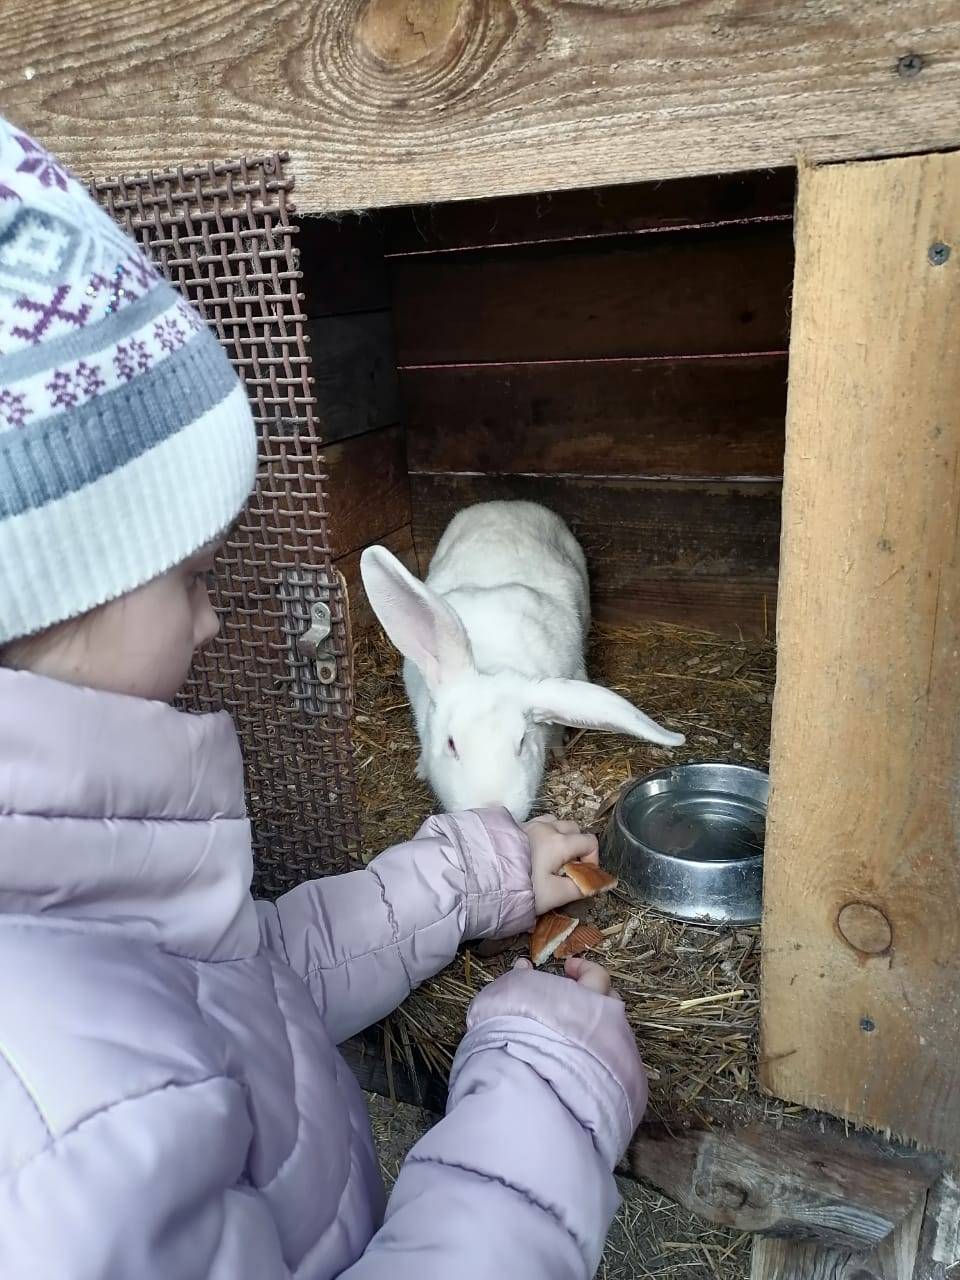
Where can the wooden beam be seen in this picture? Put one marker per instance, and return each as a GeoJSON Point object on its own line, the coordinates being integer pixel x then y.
{"type": "Point", "coordinates": [861, 973]}
{"type": "Point", "coordinates": [848, 1192]}
{"type": "Point", "coordinates": [387, 102]}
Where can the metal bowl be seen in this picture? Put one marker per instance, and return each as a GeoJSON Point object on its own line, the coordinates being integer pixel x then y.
{"type": "Point", "coordinates": [689, 841]}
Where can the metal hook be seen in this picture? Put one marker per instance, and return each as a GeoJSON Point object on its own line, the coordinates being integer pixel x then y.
{"type": "Point", "coordinates": [314, 644]}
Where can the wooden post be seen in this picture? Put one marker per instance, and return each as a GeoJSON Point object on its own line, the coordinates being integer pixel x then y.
{"type": "Point", "coordinates": [861, 973]}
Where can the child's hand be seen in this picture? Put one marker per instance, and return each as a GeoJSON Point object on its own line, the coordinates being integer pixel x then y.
{"type": "Point", "coordinates": [589, 974]}
{"type": "Point", "coordinates": [553, 843]}
{"type": "Point", "coordinates": [585, 973]}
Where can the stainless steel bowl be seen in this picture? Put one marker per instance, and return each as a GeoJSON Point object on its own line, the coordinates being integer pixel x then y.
{"type": "Point", "coordinates": [689, 841]}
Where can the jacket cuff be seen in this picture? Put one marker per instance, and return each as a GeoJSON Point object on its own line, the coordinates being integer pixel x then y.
{"type": "Point", "coordinates": [598, 1072]}
{"type": "Point", "coordinates": [496, 860]}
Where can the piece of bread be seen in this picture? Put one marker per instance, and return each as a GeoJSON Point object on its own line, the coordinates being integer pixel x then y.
{"type": "Point", "coordinates": [590, 880]}
{"type": "Point", "coordinates": [548, 933]}
{"type": "Point", "coordinates": [585, 937]}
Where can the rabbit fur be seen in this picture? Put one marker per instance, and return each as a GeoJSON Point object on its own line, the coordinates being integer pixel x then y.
{"type": "Point", "coordinates": [494, 644]}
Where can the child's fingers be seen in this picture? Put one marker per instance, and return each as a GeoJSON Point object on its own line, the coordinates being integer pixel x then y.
{"type": "Point", "coordinates": [572, 847]}
{"type": "Point", "coordinates": [589, 974]}
{"type": "Point", "coordinates": [566, 827]}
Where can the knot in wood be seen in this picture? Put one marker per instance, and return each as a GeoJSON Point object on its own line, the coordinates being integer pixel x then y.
{"type": "Point", "coordinates": [721, 1195]}
{"type": "Point", "coordinates": [409, 31]}
{"type": "Point", "coordinates": [865, 928]}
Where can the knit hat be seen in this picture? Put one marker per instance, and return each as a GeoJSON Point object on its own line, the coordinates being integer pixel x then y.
{"type": "Point", "coordinates": [126, 440]}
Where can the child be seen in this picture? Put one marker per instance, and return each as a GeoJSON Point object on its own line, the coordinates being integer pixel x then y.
{"type": "Point", "coordinates": [172, 1104]}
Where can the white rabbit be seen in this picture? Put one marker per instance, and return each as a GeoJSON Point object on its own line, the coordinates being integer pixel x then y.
{"type": "Point", "coordinates": [494, 644]}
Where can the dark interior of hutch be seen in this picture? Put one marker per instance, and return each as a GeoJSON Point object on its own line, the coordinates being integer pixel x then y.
{"type": "Point", "coordinates": [619, 354]}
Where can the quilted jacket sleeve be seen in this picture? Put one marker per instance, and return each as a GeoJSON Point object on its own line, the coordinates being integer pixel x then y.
{"type": "Point", "coordinates": [517, 1179]}
{"type": "Point", "coordinates": [149, 1187]}
{"type": "Point", "coordinates": [363, 940]}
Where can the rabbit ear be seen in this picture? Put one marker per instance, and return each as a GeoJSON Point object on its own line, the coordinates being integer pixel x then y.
{"type": "Point", "coordinates": [418, 622]}
{"type": "Point", "coordinates": [589, 706]}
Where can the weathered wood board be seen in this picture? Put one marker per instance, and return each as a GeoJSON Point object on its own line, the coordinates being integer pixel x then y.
{"type": "Point", "coordinates": [387, 102]}
{"type": "Point", "coordinates": [687, 416]}
{"type": "Point", "coordinates": [724, 291]}
{"type": "Point", "coordinates": [861, 975]}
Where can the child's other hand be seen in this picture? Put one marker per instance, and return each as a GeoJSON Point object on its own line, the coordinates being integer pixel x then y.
{"type": "Point", "coordinates": [554, 843]}
{"type": "Point", "coordinates": [589, 974]}
{"type": "Point", "coordinates": [585, 973]}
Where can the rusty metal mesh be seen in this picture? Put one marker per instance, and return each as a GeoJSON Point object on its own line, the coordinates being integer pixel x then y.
{"type": "Point", "coordinates": [222, 233]}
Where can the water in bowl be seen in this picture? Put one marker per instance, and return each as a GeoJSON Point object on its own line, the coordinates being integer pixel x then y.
{"type": "Point", "coordinates": [705, 826]}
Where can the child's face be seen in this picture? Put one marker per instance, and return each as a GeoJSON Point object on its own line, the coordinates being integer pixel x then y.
{"type": "Point", "coordinates": [143, 643]}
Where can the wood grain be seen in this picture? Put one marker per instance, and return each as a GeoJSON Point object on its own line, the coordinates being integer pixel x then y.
{"type": "Point", "coordinates": [895, 1259]}
{"type": "Point", "coordinates": [866, 735]}
{"type": "Point", "coordinates": [598, 211]}
{"type": "Point", "coordinates": [686, 417]}
{"type": "Point", "coordinates": [721, 291]}
{"type": "Point", "coordinates": [392, 101]}
{"type": "Point", "coordinates": [368, 487]}
{"type": "Point", "coordinates": [850, 1192]}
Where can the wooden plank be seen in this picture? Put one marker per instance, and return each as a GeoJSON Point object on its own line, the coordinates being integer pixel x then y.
{"type": "Point", "coordinates": [369, 493]}
{"type": "Point", "coordinates": [629, 528]}
{"type": "Point", "coordinates": [701, 553]}
{"type": "Point", "coordinates": [895, 1259]}
{"type": "Point", "coordinates": [343, 265]}
{"type": "Point", "coordinates": [400, 542]}
{"type": "Point", "coordinates": [635, 209]}
{"type": "Point", "coordinates": [389, 102]}
{"type": "Point", "coordinates": [861, 975]}
{"type": "Point", "coordinates": [727, 606]}
{"type": "Point", "coordinates": [689, 417]}
{"type": "Point", "coordinates": [722, 291]}
{"type": "Point", "coordinates": [851, 1193]}
{"type": "Point", "coordinates": [354, 373]}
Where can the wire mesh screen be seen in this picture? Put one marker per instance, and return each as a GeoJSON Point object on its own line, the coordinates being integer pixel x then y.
{"type": "Point", "coordinates": [222, 233]}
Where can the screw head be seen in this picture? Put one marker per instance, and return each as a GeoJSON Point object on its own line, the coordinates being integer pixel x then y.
{"type": "Point", "coordinates": [911, 64]}
{"type": "Point", "coordinates": [938, 253]}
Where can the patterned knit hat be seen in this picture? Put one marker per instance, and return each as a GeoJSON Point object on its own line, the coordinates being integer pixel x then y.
{"type": "Point", "coordinates": [126, 441]}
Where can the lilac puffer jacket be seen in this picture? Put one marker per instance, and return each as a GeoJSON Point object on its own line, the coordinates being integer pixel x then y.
{"type": "Point", "coordinates": [172, 1106]}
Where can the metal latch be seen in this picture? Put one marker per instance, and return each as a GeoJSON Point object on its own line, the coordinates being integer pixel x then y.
{"type": "Point", "coordinates": [315, 644]}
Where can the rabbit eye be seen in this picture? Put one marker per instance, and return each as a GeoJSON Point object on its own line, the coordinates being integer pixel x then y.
{"type": "Point", "coordinates": [452, 748]}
